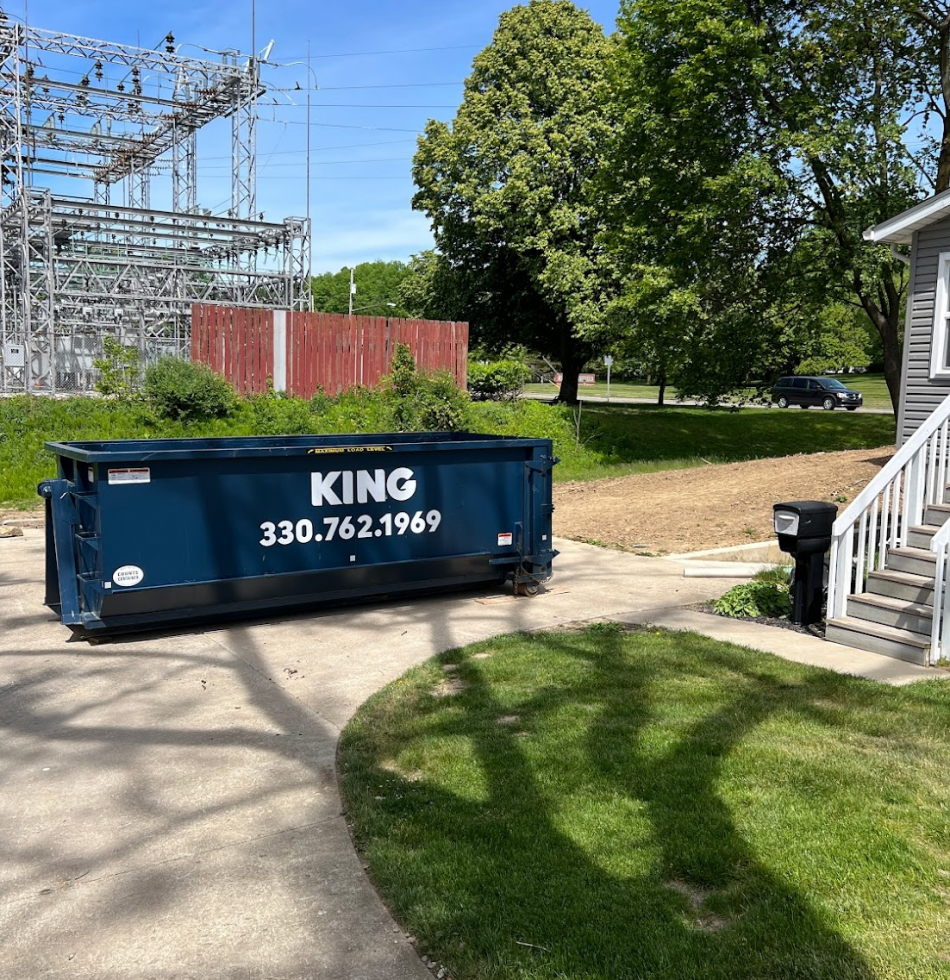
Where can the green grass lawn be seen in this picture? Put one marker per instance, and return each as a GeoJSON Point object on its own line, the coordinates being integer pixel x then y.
{"type": "Point", "coordinates": [615, 440]}
{"type": "Point", "coordinates": [599, 390]}
{"type": "Point", "coordinates": [634, 438]}
{"type": "Point", "coordinates": [872, 386]}
{"type": "Point", "coordinates": [607, 805]}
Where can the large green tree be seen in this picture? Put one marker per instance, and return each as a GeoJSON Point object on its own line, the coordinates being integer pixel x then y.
{"type": "Point", "coordinates": [510, 188]}
{"type": "Point", "coordinates": [752, 127]}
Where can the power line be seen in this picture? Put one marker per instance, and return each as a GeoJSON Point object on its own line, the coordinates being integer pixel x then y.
{"type": "Point", "coordinates": [322, 149]}
{"type": "Point", "coordinates": [368, 54]}
{"type": "Point", "coordinates": [365, 105]}
{"type": "Point", "coordinates": [376, 129]}
{"type": "Point", "coordinates": [317, 177]}
{"type": "Point", "coordinates": [346, 88]}
{"type": "Point", "coordinates": [319, 163]}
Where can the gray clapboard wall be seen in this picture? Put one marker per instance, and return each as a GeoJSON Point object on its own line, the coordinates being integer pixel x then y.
{"type": "Point", "coordinates": [920, 394]}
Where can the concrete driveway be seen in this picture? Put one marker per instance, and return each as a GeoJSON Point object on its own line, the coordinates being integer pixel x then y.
{"type": "Point", "coordinates": [169, 803]}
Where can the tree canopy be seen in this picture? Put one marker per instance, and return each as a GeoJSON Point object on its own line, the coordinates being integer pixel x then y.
{"type": "Point", "coordinates": [510, 186]}
{"type": "Point", "coordinates": [691, 192]}
{"type": "Point", "coordinates": [760, 139]}
{"type": "Point", "coordinates": [377, 285]}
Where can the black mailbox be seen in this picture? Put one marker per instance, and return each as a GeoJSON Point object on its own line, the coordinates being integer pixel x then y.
{"type": "Point", "coordinates": [804, 530]}
{"type": "Point", "coordinates": [804, 526]}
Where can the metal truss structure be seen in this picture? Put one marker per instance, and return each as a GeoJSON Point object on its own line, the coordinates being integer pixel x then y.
{"type": "Point", "coordinates": [74, 269]}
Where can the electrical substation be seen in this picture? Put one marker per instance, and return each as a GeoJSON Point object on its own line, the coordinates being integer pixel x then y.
{"type": "Point", "coordinates": [102, 230]}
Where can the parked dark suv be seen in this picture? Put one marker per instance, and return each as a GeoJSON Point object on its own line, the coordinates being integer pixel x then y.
{"type": "Point", "coordinates": [830, 393]}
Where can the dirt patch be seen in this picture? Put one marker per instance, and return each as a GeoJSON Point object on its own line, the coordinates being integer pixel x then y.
{"type": "Point", "coordinates": [704, 920]}
{"type": "Point", "coordinates": [709, 506]}
{"type": "Point", "coordinates": [22, 518]}
{"type": "Point", "coordinates": [448, 687]}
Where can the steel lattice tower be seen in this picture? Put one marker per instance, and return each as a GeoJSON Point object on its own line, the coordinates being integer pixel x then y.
{"type": "Point", "coordinates": [113, 121]}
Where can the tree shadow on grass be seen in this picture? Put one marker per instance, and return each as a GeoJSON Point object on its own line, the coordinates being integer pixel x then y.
{"type": "Point", "coordinates": [493, 880]}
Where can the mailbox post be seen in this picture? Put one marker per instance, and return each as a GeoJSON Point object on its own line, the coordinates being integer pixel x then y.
{"type": "Point", "coordinates": [804, 531]}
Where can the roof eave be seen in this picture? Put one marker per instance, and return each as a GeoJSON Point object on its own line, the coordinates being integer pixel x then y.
{"type": "Point", "coordinates": [900, 229]}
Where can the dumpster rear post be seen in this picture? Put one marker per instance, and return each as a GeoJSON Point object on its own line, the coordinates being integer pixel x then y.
{"type": "Point", "coordinates": [145, 533]}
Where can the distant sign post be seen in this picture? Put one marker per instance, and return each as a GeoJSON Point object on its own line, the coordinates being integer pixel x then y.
{"type": "Point", "coordinates": [608, 360]}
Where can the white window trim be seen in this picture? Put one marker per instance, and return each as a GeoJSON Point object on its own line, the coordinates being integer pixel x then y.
{"type": "Point", "coordinates": [940, 334]}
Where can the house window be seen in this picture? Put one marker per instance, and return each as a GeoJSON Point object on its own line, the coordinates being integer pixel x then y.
{"type": "Point", "coordinates": [940, 344]}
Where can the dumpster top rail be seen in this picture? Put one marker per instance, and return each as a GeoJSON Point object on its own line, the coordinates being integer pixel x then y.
{"type": "Point", "coordinates": [230, 446]}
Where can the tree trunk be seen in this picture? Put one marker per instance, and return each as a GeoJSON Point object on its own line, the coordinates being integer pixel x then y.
{"type": "Point", "coordinates": [573, 356]}
{"type": "Point", "coordinates": [943, 60]}
{"type": "Point", "coordinates": [888, 326]}
{"type": "Point", "coordinates": [892, 364]}
{"type": "Point", "coordinates": [659, 399]}
{"type": "Point", "coordinates": [570, 368]}
{"type": "Point", "coordinates": [943, 159]}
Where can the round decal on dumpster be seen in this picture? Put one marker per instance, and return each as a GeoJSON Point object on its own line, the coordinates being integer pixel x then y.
{"type": "Point", "coordinates": [128, 575]}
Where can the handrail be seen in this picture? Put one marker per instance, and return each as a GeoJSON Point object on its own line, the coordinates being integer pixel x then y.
{"type": "Point", "coordinates": [861, 502]}
{"type": "Point", "coordinates": [879, 518]}
{"type": "Point", "coordinates": [940, 628]}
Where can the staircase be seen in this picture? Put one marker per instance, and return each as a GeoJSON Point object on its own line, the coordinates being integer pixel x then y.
{"type": "Point", "coordinates": [889, 554]}
{"type": "Point", "coordinates": [894, 615]}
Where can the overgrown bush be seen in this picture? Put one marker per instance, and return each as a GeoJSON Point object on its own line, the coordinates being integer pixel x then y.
{"type": "Point", "coordinates": [275, 413]}
{"type": "Point", "coordinates": [187, 391]}
{"type": "Point", "coordinates": [420, 402]}
{"type": "Point", "coordinates": [118, 367]}
{"type": "Point", "coordinates": [534, 420]}
{"type": "Point", "coordinates": [754, 599]}
{"type": "Point", "coordinates": [498, 380]}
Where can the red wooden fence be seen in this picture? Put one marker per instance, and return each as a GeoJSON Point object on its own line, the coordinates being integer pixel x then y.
{"type": "Point", "coordinates": [301, 352]}
{"type": "Point", "coordinates": [235, 342]}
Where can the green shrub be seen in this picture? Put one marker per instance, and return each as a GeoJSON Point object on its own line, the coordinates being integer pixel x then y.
{"type": "Point", "coordinates": [534, 420]}
{"type": "Point", "coordinates": [778, 575]}
{"type": "Point", "coordinates": [118, 368]}
{"type": "Point", "coordinates": [754, 599]}
{"type": "Point", "coordinates": [498, 380]}
{"type": "Point", "coordinates": [187, 391]}
{"type": "Point", "coordinates": [443, 406]}
{"type": "Point", "coordinates": [275, 414]}
{"type": "Point", "coordinates": [419, 402]}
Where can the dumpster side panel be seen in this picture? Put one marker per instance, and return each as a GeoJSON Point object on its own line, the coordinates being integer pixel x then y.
{"type": "Point", "coordinates": [172, 532]}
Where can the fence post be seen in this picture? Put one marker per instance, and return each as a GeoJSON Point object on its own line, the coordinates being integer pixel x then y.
{"type": "Point", "coordinates": [280, 350]}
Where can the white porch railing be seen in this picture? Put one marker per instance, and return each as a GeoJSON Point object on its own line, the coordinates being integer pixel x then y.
{"type": "Point", "coordinates": [880, 516]}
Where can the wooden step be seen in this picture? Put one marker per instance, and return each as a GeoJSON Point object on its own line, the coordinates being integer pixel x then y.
{"type": "Point", "coordinates": [919, 561]}
{"type": "Point", "coordinates": [886, 611]}
{"type": "Point", "coordinates": [920, 535]}
{"type": "Point", "coordinates": [902, 585]}
{"type": "Point", "coordinates": [897, 643]}
{"type": "Point", "coordinates": [937, 514]}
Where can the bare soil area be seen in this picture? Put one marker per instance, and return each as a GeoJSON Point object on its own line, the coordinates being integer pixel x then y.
{"type": "Point", "coordinates": [715, 506]}
{"type": "Point", "coordinates": [23, 518]}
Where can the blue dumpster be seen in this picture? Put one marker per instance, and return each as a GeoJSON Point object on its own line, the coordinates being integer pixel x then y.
{"type": "Point", "coordinates": [142, 533]}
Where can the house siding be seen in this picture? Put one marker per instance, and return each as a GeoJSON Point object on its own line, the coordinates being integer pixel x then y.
{"type": "Point", "coordinates": [920, 394]}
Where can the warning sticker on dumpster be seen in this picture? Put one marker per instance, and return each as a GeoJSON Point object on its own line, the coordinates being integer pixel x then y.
{"type": "Point", "coordinates": [138, 474]}
{"type": "Point", "coordinates": [505, 539]}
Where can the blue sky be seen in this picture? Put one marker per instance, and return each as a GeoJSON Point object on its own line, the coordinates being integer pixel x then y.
{"type": "Point", "coordinates": [382, 69]}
